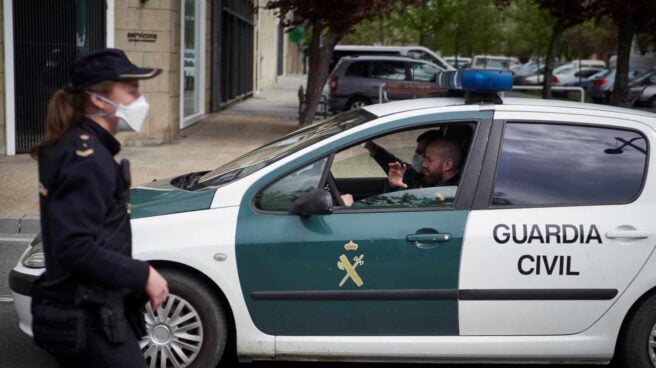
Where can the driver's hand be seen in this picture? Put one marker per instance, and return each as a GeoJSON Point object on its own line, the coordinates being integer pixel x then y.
{"type": "Point", "coordinates": [347, 199]}
{"type": "Point", "coordinates": [395, 175]}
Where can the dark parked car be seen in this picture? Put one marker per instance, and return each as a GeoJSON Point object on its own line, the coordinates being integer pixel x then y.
{"type": "Point", "coordinates": [356, 80]}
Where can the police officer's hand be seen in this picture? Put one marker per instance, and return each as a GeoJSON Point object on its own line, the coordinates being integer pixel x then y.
{"type": "Point", "coordinates": [156, 288]}
{"type": "Point", "coordinates": [395, 175]}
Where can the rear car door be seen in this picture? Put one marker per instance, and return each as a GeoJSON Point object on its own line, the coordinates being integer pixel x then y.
{"type": "Point", "coordinates": [561, 224]}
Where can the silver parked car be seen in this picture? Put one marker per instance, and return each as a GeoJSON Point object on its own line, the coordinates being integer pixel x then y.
{"type": "Point", "coordinates": [643, 92]}
{"type": "Point", "coordinates": [356, 80]}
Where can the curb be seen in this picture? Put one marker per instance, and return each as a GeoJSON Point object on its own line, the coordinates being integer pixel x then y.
{"type": "Point", "coordinates": [25, 224]}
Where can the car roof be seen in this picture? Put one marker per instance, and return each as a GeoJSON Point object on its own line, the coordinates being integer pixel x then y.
{"type": "Point", "coordinates": [384, 57]}
{"type": "Point", "coordinates": [394, 107]}
{"type": "Point", "coordinates": [377, 48]}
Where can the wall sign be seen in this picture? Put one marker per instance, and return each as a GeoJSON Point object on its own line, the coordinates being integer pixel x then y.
{"type": "Point", "coordinates": [142, 37]}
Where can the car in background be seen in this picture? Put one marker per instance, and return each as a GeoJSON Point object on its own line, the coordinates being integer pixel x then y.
{"type": "Point", "coordinates": [458, 61]}
{"type": "Point", "coordinates": [643, 92]}
{"type": "Point", "coordinates": [493, 62]}
{"type": "Point", "coordinates": [415, 52]}
{"type": "Point", "coordinates": [600, 88]}
{"type": "Point", "coordinates": [355, 82]}
{"type": "Point", "coordinates": [595, 63]}
{"type": "Point", "coordinates": [564, 74]}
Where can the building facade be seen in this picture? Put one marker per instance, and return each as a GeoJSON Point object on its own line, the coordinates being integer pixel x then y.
{"type": "Point", "coordinates": [212, 52]}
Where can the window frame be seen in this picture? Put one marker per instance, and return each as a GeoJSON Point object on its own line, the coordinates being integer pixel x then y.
{"type": "Point", "coordinates": [470, 173]}
{"type": "Point", "coordinates": [483, 198]}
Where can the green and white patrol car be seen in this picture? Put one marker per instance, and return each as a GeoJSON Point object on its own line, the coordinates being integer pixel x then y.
{"type": "Point", "coordinates": [542, 252]}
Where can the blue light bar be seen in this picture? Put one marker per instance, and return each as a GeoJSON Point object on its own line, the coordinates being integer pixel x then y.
{"type": "Point", "coordinates": [475, 80]}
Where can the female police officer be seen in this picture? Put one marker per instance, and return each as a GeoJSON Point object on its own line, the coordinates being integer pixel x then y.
{"type": "Point", "coordinates": [84, 308]}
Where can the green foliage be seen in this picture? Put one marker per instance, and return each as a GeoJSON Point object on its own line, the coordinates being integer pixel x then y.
{"type": "Point", "coordinates": [468, 27]}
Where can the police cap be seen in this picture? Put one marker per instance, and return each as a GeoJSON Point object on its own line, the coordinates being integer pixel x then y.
{"type": "Point", "coordinates": [105, 65]}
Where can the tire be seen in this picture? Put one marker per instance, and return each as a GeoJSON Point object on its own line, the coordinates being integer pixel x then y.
{"type": "Point", "coordinates": [636, 346]}
{"type": "Point", "coordinates": [203, 320]}
{"type": "Point", "coordinates": [357, 102]}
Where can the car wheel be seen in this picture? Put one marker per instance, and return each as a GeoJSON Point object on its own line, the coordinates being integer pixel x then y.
{"type": "Point", "coordinates": [637, 344]}
{"type": "Point", "coordinates": [189, 329]}
{"type": "Point", "coordinates": [357, 102]}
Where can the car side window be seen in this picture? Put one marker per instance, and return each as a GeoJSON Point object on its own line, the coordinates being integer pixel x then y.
{"type": "Point", "coordinates": [358, 69]}
{"type": "Point", "coordinates": [363, 171]}
{"type": "Point", "coordinates": [561, 165]}
{"type": "Point", "coordinates": [423, 72]}
{"type": "Point", "coordinates": [389, 70]}
{"type": "Point", "coordinates": [280, 195]}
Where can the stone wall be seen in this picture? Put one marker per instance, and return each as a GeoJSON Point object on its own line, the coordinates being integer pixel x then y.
{"type": "Point", "coordinates": [266, 47]}
{"type": "Point", "coordinates": [162, 18]}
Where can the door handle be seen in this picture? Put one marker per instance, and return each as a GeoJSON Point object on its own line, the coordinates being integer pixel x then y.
{"type": "Point", "coordinates": [627, 234]}
{"type": "Point", "coordinates": [428, 238]}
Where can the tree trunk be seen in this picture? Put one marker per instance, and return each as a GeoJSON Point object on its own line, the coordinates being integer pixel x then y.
{"type": "Point", "coordinates": [621, 86]}
{"type": "Point", "coordinates": [320, 54]}
{"type": "Point", "coordinates": [558, 29]}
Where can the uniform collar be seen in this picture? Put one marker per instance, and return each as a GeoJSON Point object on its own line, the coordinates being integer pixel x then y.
{"type": "Point", "coordinates": [105, 137]}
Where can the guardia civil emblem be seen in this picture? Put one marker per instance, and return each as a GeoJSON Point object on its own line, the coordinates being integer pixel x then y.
{"type": "Point", "coordinates": [345, 265]}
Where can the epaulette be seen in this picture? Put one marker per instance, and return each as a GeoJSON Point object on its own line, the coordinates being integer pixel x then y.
{"type": "Point", "coordinates": [84, 147]}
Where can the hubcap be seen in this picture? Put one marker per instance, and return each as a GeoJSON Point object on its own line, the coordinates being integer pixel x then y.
{"type": "Point", "coordinates": [652, 345]}
{"type": "Point", "coordinates": [175, 334]}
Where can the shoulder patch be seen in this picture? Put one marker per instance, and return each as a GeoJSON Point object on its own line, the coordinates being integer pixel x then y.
{"type": "Point", "coordinates": [85, 153]}
{"type": "Point", "coordinates": [84, 146]}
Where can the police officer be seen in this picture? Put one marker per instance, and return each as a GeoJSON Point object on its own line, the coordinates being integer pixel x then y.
{"type": "Point", "coordinates": [86, 307]}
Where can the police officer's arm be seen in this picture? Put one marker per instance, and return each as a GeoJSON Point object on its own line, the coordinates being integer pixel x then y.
{"type": "Point", "coordinates": [78, 207]}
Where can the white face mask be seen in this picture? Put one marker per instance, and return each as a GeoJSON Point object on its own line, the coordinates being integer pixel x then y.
{"type": "Point", "coordinates": [417, 162]}
{"type": "Point", "coordinates": [130, 117]}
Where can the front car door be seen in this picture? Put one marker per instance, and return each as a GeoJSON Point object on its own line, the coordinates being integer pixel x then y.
{"type": "Point", "coordinates": [388, 265]}
{"type": "Point", "coordinates": [560, 225]}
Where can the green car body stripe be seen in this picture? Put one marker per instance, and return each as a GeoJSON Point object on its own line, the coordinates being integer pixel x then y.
{"type": "Point", "coordinates": [284, 253]}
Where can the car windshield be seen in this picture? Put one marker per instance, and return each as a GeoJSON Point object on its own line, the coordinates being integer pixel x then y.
{"type": "Point", "coordinates": [283, 147]}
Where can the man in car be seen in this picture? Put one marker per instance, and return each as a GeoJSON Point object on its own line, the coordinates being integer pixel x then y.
{"type": "Point", "coordinates": [441, 167]}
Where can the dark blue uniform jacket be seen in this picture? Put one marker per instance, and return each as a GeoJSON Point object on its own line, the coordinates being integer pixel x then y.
{"type": "Point", "coordinates": [85, 211]}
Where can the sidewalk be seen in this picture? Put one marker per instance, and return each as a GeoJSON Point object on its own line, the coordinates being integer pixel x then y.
{"type": "Point", "coordinates": [205, 145]}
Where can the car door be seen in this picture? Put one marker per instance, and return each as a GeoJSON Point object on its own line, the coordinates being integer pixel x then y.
{"type": "Point", "coordinates": [561, 225]}
{"type": "Point", "coordinates": [388, 265]}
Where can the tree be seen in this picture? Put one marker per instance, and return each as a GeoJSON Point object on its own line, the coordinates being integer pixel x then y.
{"type": "Point", "coordinates": [329, 22]}
{"type": "Point", "coordinates": [631, 17]}
{"type": "Point", "coordinates": [567, 14]}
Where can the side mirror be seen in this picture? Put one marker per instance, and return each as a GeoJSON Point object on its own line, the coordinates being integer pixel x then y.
{"type": "Point", "coordinates": [317, 202]}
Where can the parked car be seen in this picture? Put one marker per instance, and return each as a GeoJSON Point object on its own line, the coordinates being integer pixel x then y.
{"type": "Point", "coordinates": [542, 250]}
{"type": "Point", "coordinates": [643, 91]}
{"type": "Point", "coordinates": [415, 52]}
{"type": "Point", "coordinates": [600, 88]}
{"type": "Point", "coordinates": [564, 74]}
{"type": "Point", "coordinates": [457, 62]}
{"type": "Point", "coordinates": [356, 80]}
{"type": "Point", "coordinates": [493, 62]}
{"type": "Point", "coordinates": [594, 63]}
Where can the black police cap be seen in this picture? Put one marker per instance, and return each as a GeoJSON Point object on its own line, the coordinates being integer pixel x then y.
{"type": "Point", "coordinates": [105, 65]}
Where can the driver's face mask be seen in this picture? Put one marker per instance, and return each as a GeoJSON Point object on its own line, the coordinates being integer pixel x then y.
{"type": "Point", "coordinates": [130, 117]}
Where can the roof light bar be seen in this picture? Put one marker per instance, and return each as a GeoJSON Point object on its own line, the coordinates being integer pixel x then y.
{"type": "Point", "coordinates": [473, 80]}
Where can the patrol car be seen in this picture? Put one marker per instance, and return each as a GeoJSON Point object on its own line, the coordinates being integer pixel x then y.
{"type": "Point", "coordinates": [542, 252]}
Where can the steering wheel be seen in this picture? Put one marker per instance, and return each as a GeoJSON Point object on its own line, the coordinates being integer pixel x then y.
{"type": "Point", "coordinates": [334, 191]}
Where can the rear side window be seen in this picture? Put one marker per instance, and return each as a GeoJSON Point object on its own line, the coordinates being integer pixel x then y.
{"type": "Point", "coordinates": [390, 70]}
{"type": "Point", "coordinates": [545, 164]}
{"type": "Point", "coordinates": [358, 69]}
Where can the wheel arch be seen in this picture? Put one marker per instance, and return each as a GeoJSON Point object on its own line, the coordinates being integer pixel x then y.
{"type": "Point", "coordinates": [231, 343]}
{"type": "Point", "coordinates": [631, 312]}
